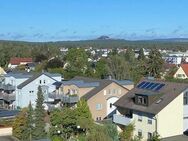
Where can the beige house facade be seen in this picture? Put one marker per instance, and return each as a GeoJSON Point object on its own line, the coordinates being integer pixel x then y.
{"type": "Point", "coordinates": [99, 94]}
{"type": "Point", "coordinates": [101, 104]}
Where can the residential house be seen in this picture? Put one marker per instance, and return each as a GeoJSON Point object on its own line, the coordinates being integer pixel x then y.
{"type": "Point", "coordinates": [154, 106]}
{"type": "Point", "coordinates": [27, 91]}
{"type": "Point", "coordinates": [2, 71]}
{"type": "Point", "coordinates": [100, 94]}
{"type": "Point", "coordinates": [182, 72]}
{"type": "Point", "coordinates": [16, 61]}
{"type": "Point", "coordinates": [30, 67]}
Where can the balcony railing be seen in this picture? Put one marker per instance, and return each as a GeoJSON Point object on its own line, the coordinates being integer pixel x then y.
{"type": "Point", "coordinates": [8, 97]}
{"type": "Point", "coordinates": [55, 95]}
{"type": "Point", "coordinates": [7, 87]}
{"type": "Point", "coordinates": [121, 119]}
{"type": "Point", "coordinates": [64, 98]}
{"type": "Point", "coordinates": [70, 99]}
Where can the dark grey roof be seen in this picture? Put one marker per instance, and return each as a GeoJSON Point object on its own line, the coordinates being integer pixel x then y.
{"type": "Point", "coordinates": [102, 83]}
{"type": "Point", "coordinates": [19, 74]}
{"type": "Point", "coordinates": [168, 93]}
{"type": "Point", "coordinates": [86, 79]}
{"type": "Point", "coordinates": [35, 77]}
{"type": "Point", "coordinates": [31, 64]}
{"type": "Point", "coordinates": [124, 82]}
{"type": "Point", "coordinates": [80, 83]}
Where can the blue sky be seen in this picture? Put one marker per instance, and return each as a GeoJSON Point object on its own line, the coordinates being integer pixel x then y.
{"type": "Point", "coordinates": [52, 20]}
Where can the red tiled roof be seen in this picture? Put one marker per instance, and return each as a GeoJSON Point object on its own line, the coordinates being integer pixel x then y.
{"type": "Point", "coordinates": [185, 68]}
{"type": "Point", "coordinates": [17, 60]}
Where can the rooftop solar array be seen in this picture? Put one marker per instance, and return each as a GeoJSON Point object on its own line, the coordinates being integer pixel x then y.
{"type": "Point", "coordinates": [150, 86]}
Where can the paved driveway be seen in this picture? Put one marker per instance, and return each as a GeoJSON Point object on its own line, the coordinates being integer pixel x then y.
{"type": "Point", "coordinates": [176, 138]}
{"type": "Point", "coordinates": [6, 138]}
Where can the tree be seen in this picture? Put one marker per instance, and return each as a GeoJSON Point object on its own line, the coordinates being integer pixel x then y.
{"type": "Point", "coordinates": [101, 69]}
{"type": "Point", "coordinates": [112, 131]}
{"type": "Point", "coordinates": [130, 56]}
{"type": "Point", "coordinates": [141, 55]}
{"type": "Point", "coordinates": [118, 67]}
{"type": "Point", "coordinates": [68, 122]}
{"type": "Point", "coordinates": [155, 137]}
{"type": "Point", "coordinates": [98, 133]}
{"type": "Point", "coordinates": [83, 114]}
{"type": "Point", "coordinates": [19, 125]}
{"type": "Point", "coordinates": [77, 62]}
{"type": "Point", "coordinates": [54, 63]}
{"type": "Point", "coordinates": [29, 128]}
{"type": "Point", "coordinates": [56, 124]}
{"type": "Point", "coordinates": [127, 133]}
{"type": "Point", "coordinates": [155, 63]}
{"type": "Point", "coordinates": [39, 130]}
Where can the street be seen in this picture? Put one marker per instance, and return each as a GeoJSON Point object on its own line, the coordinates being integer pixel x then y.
{"type": "Point", "coordinates": [6, 138]}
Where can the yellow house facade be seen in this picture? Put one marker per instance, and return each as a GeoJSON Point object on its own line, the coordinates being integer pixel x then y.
{"type": "Point", "coordinates": [156, 107]}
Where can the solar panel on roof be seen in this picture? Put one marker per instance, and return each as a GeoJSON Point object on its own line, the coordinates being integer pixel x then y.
{"type": "Point", "coordinates": [154, 86]}
{"type": "Point", "coordinates": [148, 86]}
{"type": "Point", "coordinates": [139, 85]}
{"type": "Point", "coordinates": [159, 87]}
{"type": "Point", "coordinates": [144, 86]}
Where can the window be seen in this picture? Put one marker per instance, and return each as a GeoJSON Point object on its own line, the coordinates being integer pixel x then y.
{"type": "Point", "coordinates": [104, 92]}
{"type": "Point", "coordinates": [180, 75]}
{"type": "Point", "coordinates": [111, 105]}
{"type": "Point", "coordinates": [98, 118]}
{"type": "Point", "coordinates": [114, 91]}
{"type": "Point", "coordinates": [149, 120]}
{"type": "Point", "coordinates": [141, 100]}
{"type": "Point", "coordinates": [139, 133]}
{"type": "Point", "coordinates": [185, 98]}
{"type": "Point", "coordinates": [149, 136]}
{"type": "Point", "coordinates": [44, 81]}
{"type": "Point", "coordinates": [109, 91]}
{"type": "Point", "coordinates": [140, 117]}
{"type": "Point", "coordinates": [98, 106]}
{"type": "Point", "coordinates": [119, 91]}
{"type": "Point", "coordinates": [40, 81]}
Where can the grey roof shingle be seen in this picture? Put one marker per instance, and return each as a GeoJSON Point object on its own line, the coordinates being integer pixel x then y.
{"type": "Point", "coordinates": [35, 77]}
{"type": "Point", "coordinates": [102, 84]}
{"type": "Point", "coordinates": [168, 93]}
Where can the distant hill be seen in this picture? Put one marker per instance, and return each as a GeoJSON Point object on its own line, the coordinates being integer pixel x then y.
{"type": "Point", "coordinates": [107, 42]}
{"type": "Point", "coordinates": [103, 37]}
{"type": "Point", "coordinates": [172, 40]}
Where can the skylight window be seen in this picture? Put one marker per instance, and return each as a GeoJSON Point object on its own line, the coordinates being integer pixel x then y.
{"type": "Point", "coordinates": [159, 101]}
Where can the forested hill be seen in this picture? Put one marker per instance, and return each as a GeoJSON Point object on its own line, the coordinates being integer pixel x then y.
{"type": "Point", "coordinates": [176, 44]}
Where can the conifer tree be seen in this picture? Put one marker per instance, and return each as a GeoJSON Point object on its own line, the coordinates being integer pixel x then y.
{"type": "Point", "coordinates": [155, 63]}
{"type": "Point", "coordinates": [84, 117]}
{"type": "Point", "coordinates": [39, 130]}
{"type": "Point", "coordinates": [141, 55]}
{"type": "Point", "coordinates": [28, 132]}
{"type": "Point", "coordinates": [19, 125]}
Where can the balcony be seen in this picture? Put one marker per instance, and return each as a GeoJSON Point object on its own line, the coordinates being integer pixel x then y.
{"type": "Point", "coordinates": [120, 119]}
{"type": "Point", "coordinates": [70, 99]}
{"type": "Point", "coordinates": [55, 95]}
{"type": "Point", "coordinates": [8, 97]}
{"type": "Point", "coordinates": [64, 98]}
{"type": "Point", "coordinates": [7, 87]}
